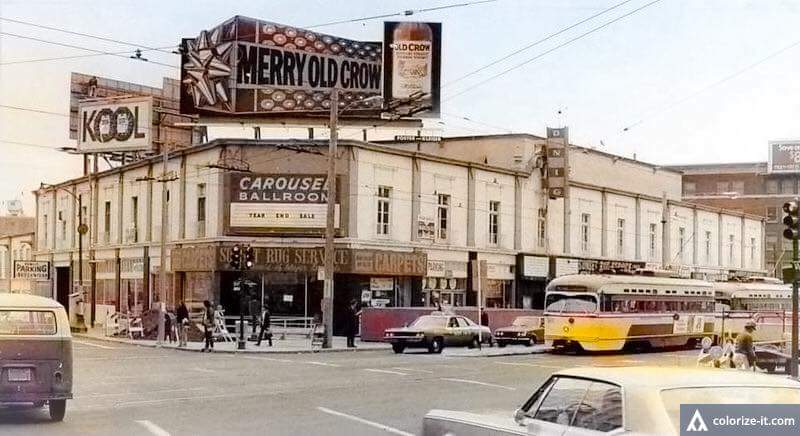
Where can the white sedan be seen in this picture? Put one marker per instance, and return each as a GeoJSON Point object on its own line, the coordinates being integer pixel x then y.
{"type": "Point", "coordinates": [619, 400]}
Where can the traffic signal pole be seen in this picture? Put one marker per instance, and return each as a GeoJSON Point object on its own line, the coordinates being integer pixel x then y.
{"type": "Point", "coordinates": [792, 231]}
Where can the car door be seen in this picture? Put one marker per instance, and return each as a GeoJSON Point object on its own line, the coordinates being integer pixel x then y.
{"type": "Point", "coordinates": [468, 331]}
{"type": "Point", "coordinates": [453, 335]}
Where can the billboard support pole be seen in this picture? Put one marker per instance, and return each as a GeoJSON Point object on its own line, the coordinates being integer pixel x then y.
{"type": "Point", "coordinates": [327, 295]}
{"type": "Point", "coordinates": [162, 272]}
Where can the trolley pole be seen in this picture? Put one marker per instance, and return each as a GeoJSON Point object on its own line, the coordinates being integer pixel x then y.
{"type": "Point", "coordinates": [795, 353]}
{"type": "Point", "coordinates": [327, 293]}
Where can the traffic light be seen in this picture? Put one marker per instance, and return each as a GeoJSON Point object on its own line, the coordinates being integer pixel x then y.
{"type": "Point", "coordinates": [236, 257]}
{"type": "Point", "coordinates": [249, 257]}
{"type": "Point", "coordinates": [790, 208]}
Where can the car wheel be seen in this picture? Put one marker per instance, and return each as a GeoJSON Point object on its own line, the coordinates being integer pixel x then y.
{"type": "Point", "coordinates": [398, 348]}
{"type": "Point", "coordinates": [475, 343]}
{"type": "Point", "coordinates": [501, 344]}
{"type": "Point", "coordinates": [436, 346]}
{"type": "Point", "coordinates": [58, 408]}
{"type": "Point", "coordinates": [531, 342]}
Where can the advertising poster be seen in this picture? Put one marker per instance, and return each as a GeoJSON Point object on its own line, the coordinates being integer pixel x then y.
{"type": "Point", "coordinates": [412, 68]}
{"type": "Point", "coordinates": [784, 156]}
{"type": "Point", "coordinates": [110, 125]}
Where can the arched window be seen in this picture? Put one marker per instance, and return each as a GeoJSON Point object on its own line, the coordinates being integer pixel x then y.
{"type": "Point", "coordinates": [4, 261]}
{"type": "Point", "coordinates": [25, 252]}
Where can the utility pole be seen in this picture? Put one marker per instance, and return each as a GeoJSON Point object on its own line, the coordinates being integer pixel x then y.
{"type": "Point", "coordinates": [162, 271]}
{"type": "Point", "coordinates": [327, 294]}
{"type": "Point", "coordinates": [792, 231]}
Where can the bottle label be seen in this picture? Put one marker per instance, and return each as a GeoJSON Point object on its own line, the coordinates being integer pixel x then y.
{"type": "Point", "coordinates": [412, 68]}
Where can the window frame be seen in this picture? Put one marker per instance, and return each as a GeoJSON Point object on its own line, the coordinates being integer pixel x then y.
{"type": "Point", "coordinates": [443, 217]}
{"type": "Point", "coordinates": [135, 217]}
{"type": "Point", "coordinates": [653, 249]}
{"type": "Point", "coordinates": [681, 242]}
{"type": "Point", "coordinates": [544, 391]}
{"type": "Point", "coordinates": [585, 233]}
{"type": "Point", "coordinates": [383, 229]}
{"type": "Point", "coordinates": [494, 222]}
{"type": "Point", "coordinates": [541, 227]}
{"type": "Point", "coordinates": [620, 236]}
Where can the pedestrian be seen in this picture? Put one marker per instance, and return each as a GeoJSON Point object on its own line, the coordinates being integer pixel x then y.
{"type": "Point", "coordinates": [745, 353]}
{"type": "Point", "coordinates": [265, 320]}
{"type": "Point", "coordinates": [169, 327]}
{"type": "Point", "coordinates": [182, 319]}
{"type": "Point", "coordinates": [351, 327]}
{"type": "Point", "coordinates": [484, 317]}
{"type": "Point", "coordinates": [208, 325]}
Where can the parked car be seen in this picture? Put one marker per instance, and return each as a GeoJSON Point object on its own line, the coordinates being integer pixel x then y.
{"type": "Point", "coordinates": [622, 400]}
{"type": "Point", "coordinates": [526, 330]}
{"type": "Point", "coordinates": [437, 331]}
{"type": "Point", "coordinates": [35, 353]}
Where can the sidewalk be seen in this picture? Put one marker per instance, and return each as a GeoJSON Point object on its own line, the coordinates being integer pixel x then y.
{"type": "Point", "coordinates": [292, 344]}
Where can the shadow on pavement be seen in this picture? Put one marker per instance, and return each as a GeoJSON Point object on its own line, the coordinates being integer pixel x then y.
{"type": "Point", "coordinates": [19, 415]}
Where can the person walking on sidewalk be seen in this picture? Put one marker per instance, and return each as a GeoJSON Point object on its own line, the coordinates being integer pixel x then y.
{"type": "Point", "coordinates": [182, 319]}
{"type": "Point", "coordinates": [265, 328]}
{"type": "Point", "coordinates": [352, 324]}
{"type": "Point", "coordinates": [208, 325]}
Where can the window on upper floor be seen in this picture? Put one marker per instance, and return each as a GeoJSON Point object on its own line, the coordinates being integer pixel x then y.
{"type": "Point", "coordinates": [737, 186]}
{"type": "Point", "coordinates": [620, 236]}
{"type": "Point", "coordinates": [772, 214]}
{"type": "Point", "coordinates": [723, 187]}
{"type": "Point", "coordinates": [107, 222]}
{"type": "Point", "coordinates": [541, 227]}
{"type": "Point", "coordinates": [651, 246]}
{"type": "Point", "coordinates": [134, 237]}
{"type": "Point", "coordinates": [62, 221]}
{"type": "Point", "coordinates": [494, 222]}
{"type": "Point", "coordinates": [384, 203]}
{"type": "Point", "coordinates": [752, 251]}
{"type": "Point", "coordinates": [443, 217]}
{"type": "Point", "coordinates": [730, 249]}
{"type": "Point", "coordinates": [44, 229]}
{"type": "Point", "coordinates": [681, 242]}
{"type": "Point", "coordinates": [689, 188]}
{"type": "Point", "coordinates": [201, 210]}
{"type": "Point", "coordinates": [708, 246]}
{"type": "Point", "coordinates": [772, 186]}
{"type": "Point", "coordinates": [586, 232]}
{"type": "Point", "coordinates": [787, 186]}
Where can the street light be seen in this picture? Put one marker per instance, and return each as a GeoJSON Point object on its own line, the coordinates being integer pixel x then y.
{"type": "Point", "coordinates": [327, 293]}
{"type": "Point", "coordinates": [82, 230]}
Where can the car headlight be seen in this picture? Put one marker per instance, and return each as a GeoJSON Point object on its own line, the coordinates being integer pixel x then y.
{"type": "Point", "coordinates": [388, 334]}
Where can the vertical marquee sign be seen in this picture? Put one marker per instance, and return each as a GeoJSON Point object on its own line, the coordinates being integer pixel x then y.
{"type": "Point", "coordinates": [247, 66]}
{"type": "Point", "coordinates": [278, 203]}
{"type": "Point", "coordinates": [557, 162]}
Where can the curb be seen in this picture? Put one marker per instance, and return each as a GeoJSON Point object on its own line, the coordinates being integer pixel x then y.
{"type": "Point", "coordinates": [254, 352]}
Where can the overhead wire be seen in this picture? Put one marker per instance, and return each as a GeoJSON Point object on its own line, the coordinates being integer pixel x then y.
{"type": "Point", "coordinates": [545, 53]}
{"type": "Point", "coordinates": [406, 12]}
{"type": "Point", "coordinates": [61, 58]}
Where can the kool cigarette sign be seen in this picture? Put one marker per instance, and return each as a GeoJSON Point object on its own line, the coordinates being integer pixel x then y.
{"type": "Point", "coordinates": [31, 269]}
{"type": "Point", "coordinates": [784, 156]}
{"type": "Point", "coordinates": [115, 125]}
{"type": "Point", "coordinates": [272, 203]}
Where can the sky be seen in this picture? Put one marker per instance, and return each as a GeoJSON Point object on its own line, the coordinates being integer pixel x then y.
{"type": "Point", "coordinates": [677, 82]}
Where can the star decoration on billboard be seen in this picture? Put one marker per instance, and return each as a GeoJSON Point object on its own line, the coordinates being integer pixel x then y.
{"type": "Point", "coordinates": [207, 69]}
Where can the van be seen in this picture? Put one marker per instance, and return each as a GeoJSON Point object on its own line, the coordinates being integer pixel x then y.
{"type": "Point", "coordinates": [35, 353]}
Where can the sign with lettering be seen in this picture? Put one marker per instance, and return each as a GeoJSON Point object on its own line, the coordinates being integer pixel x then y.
{"type": "Point", "coordinates": [131, 268]}
{"type": "Point", "coordinates": [119, 124]}
{"type": "Point", "coordinates": [32, 269]}
{"type": "Point", "coordinates": [535, 266]}
{"type": "Point", "coordinates": [426, 228]}
{"type": "Point", "coordinates": [784, 156]}
{"type": "Point", "coordinates": [251, 66]}
{"type": "Point", "coordinates": [557, 161]}
{"type": "Point", "coordinates": [278, 203]}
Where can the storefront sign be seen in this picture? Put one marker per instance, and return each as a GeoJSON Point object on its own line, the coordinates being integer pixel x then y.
{"type": "Point", "coordinates": [381, 284]}
{"type": "Point", "coordinates": [436, 268]}
{"type": "Point", "coordinates": [784, 156]}
{"type": "Point", "coordinates": [251, 66]}
{"type": "Point", "coordinates": [426, 228]}
{"type": "Point", "coordinates": [131, 268]}
{"type": "Point", "coordinates": [288, 298]}
{"type": "Point", "coordinates": [278, 203]}
{"type": "Point", "coordinates": [194, 259]}
{"type": "Point", "coordinates": [366, 296]}
{"type": "Point", "coordinates": [567, 266]}
{"type": "Point", "coordinates": [388, 262]}
{"type": "Point", "coordinates": [535, 266]}
{"type": "Point", "coordinates": [412, 62]}
{"type": "Point", "coordinates": [105, 269]}
{"type": "Point", "coordinates": [499, 271]}
{"type": "Point", "coordinates": [115, 125]}
{"type": "Point", "coordinates": [557, 161]}
{"type": "Point", "coordinates": [32, 269]}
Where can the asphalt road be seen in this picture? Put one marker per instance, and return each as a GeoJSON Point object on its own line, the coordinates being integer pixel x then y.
{"type": "Point", "coordinates": [125, 390]}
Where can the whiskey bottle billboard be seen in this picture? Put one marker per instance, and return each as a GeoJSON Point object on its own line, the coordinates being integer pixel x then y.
{"type": "Point", "coordinates": [412, 68]}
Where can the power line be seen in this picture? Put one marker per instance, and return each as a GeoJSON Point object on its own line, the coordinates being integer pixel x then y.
{"type": "Point", "coordinates": [40, 111]}
{"type": "Point", "coordinates": [84, 48]}
{"type": "Point", "coordinates": [28, 61]}
{"type": "Point", "coordinates": [541, 55]}
{"type": "Point", "coordinates": [533, 44]}
{"type": "Point", "coordinates": [670, 106]}
{"type": "Point", "coordinates": [468, 119]}
{"type": "Point", "coordinates": [101, 38]}
{"type": "Point", "coordinates": [406, 13]}
{"type": "Point", "coordinates": [28, 144]}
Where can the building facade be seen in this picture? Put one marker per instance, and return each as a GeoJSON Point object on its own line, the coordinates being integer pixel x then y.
{"type": "Point", "coordinates": [416, 223]}
{"type": "Point", "coordinates": [748, 188]}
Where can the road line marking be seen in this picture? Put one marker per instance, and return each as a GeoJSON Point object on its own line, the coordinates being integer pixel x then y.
{"type": "Point", "coordinates": [413, 370]}
{"type": "Point", "coordinates": [532, 365]}
{"type": "Point", "coordinates": [373, 424]}
{"type": "Point", "coordinates": [210, 371]}
{"type": "Point", "coordinates": [152, 428]}
{"type": "Point", "coordinates": [474, 382]}
{"type": "Point", "coordinates": [105, 347]}
{"type": "Point", "coordinates": [314, 362]}
{"type": "Point", "coordinates": [385, 371]}
{"type": "Point", "coordinates": [268, 359]}
{"type": "Point", "coordinates": [117, 394]}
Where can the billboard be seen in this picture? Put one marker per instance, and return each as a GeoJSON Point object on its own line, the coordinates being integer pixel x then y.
{"type": "Point", "coordinates": [412, 64]}
{"type": "Point", "coordinates": [278, 203]}
{"type": "Point", "coordinates": [118, 124]}
{"type": "Point", "coordinates": [784, 156]}
{"type": "Point", "coordinates": [32, 269]}
{"type": "Point", "coordinates": [247, 66]}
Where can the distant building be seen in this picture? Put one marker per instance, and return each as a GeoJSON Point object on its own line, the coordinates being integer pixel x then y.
{"type": "Point", "coordinates": [16, 247]}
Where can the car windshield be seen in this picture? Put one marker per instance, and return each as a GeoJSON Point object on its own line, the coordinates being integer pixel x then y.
{"type": "Point", "coordinates": [27, 322]}
{"type": "Point", "coordinates": [570, 303]}
{"type": "Point", "coordinates": [526, 321]}
{"type": "Point", "coordinates": [430, 322]}
{"type": "Point", "coordinates": [673, 398]}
